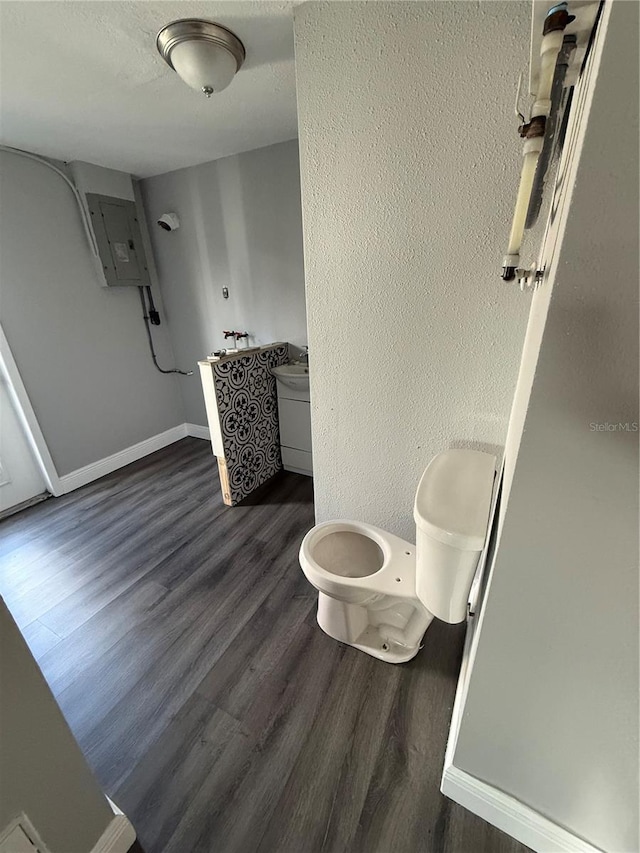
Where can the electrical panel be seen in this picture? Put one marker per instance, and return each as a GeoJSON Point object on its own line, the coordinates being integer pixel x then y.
{"type": "Point", "coordinates": [117, 231]}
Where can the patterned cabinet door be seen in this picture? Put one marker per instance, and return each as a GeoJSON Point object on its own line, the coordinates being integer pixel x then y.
{"type": "Point", "coordinates": [248, 412]}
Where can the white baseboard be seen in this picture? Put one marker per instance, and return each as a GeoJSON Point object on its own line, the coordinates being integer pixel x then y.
{"type": "Point", "coordinates": [98, 469]}
{"type": "Point", "coordinates": [294, 470]}
{"type": "Point", "coordinates": [118, 836]}
{"type": "Point", "coordinates": [510, 815]}
{"type": "Point", "coordinates": [197, 431]}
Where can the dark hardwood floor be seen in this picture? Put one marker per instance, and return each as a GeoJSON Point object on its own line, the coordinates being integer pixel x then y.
{"type": "Point", "coordinates": [179, 638]}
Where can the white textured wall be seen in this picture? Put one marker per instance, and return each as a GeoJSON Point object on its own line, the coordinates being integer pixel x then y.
{"type": "Point", "coordinates": [81, 349]}
{"type": "Point", "coordinates": [551, 715]}
{"type": "Point", "coordinates": [241, 228]}
{"type": "Point", "coordinates": [410, 163]}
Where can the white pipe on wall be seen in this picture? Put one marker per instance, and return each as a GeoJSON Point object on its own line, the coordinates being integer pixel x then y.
{"type": "Point", "coordinates": [532, 149]}
{"type": "Point", "coordinates": [549, 50]}
{"type": "Point", "coordinates": [534, 133]}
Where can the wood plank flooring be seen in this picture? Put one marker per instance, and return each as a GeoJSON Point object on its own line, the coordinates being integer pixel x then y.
{"type": "Point", "coordinates": [179, 638]}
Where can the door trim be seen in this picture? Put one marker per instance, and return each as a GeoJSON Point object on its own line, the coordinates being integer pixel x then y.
{"type": "Point", "coordinates": [119, 834]}
{"type": "Point", "coordinates": [27, 417]}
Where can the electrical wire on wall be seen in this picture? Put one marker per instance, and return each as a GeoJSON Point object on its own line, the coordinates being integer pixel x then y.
{"type": "Point", "coordinates": [86, 224]}
{"type": "Point", "coordinates": [152, 317]}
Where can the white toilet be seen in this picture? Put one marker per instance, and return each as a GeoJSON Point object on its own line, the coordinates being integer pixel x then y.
{"type": "Point", "coordinates": [377, 592]}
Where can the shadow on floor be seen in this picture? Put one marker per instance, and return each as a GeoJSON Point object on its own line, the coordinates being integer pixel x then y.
{"type": "Point", "coordinates": [283, 488]}
{"type": "Point", "coordinates": [437, 635]}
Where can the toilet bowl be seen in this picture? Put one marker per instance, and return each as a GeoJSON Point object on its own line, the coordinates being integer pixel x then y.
{"type": "Point", "coordinates": [366, 582]}
{"type": "Point", "coordinates": [378, 592]}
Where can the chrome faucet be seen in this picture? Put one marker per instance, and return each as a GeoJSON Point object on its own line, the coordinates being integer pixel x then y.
{"type": "Point", "coordinates": [304, 355]}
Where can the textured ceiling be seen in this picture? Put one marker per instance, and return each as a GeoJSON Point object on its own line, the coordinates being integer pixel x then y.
{"type": "Point", "coordinates": [83, 81]}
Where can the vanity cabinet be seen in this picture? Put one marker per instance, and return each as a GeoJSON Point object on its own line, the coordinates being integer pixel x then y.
{"type": "Point", "coordinates": [294, 416]}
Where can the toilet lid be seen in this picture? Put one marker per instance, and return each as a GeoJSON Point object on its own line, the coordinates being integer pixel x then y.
{"type": "Point", "coordinates": [454, 498]}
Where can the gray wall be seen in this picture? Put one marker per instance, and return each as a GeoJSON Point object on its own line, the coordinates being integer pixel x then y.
{"type": "Point", "coordinates": [44, 773]}
{"type": "Point", "coordinates": [410, 164]}
{"type": "Point", "coordinates": [81, 349]}
{"type": "Point", "coordinates": [241, 228]}
{"type": "Point", "coordinates": [551, 715]}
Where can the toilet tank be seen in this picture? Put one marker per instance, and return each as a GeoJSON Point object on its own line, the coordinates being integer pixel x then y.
{"type": "Point", "coordinates": [451, 514]}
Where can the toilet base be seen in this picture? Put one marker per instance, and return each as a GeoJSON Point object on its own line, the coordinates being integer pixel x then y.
{"type": "Point", "coordinates": [388, 629]}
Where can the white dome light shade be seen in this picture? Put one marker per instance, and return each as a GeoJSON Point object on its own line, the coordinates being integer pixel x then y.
{"type": "Point", "coordinates": [203, 66]}
{"type": "Point", "coordinates": [205, 55]}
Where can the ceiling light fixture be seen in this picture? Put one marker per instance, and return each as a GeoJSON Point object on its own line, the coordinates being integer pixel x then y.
{"type": "Point", "coordinates": [205, 55]}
